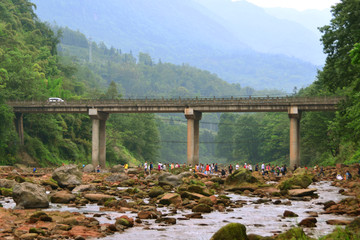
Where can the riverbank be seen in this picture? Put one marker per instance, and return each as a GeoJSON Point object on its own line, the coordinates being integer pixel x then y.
{"type": "Point", "coordinates": [177, 206]}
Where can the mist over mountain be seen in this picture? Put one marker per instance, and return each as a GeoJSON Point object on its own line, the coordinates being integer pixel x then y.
{"type": "Point", "coordinates": [275, 33]}
{"type": "Point", "coordinates": [227, 42]}
{"type": "Point", "coordinates": [311, 19]}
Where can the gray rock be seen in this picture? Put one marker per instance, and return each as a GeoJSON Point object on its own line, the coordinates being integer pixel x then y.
{"type": "Point", "coordinates": [30, 195]}
{"type": "Point", "coordinates": [68, 175]}
{"type": "Point", "coordinates": [117, 169]}
{"type": "Point", "coordinates": [117, 177]}
{"type": "Point", "coordinates": [5, 183]}
{"type": "Point", "coordinates": [89, 168]}
{"type": "Point", "coordinates": [173, 180]}
{"type": "Point", "coordinates": [84, 188]}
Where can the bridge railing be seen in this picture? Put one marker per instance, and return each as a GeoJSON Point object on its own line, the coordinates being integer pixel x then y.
{"type": "Point", "coordinates": [184, 101]}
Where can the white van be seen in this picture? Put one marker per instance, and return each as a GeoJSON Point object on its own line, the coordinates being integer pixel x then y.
{"type": "Point", "coordinates": [55, 99]}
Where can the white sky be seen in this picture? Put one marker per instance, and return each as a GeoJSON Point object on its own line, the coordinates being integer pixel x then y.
{"type": "Point", "coordinates": [296, 4]}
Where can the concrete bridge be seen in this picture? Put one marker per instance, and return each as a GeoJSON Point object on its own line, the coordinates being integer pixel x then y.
{"type": "Point", "coordinates": [99, 111]}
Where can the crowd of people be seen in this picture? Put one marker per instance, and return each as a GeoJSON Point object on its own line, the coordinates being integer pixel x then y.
{"type": "Point", "coordinates": [215, 168]}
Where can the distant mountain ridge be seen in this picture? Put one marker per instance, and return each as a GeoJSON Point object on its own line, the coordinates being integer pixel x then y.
{"type": "Point", "coordinates": [181, 31]}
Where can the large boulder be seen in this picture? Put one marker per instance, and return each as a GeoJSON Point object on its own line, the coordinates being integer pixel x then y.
{"type": "Point", "coordinates": [30, 195]}
{"type": "Point", "coordinates": [117, 177]}
{"type": "Point", "coordinates": [296, 181]}
{"type": "Point", "coordinates": [169, 179]}
{"type": "Point", "coordinates": [231, 231]}
{"type": "Point", "coordinates": [117, 169]}
{"type": "Point", "coordinates": [67, 176]}
{"type": "Point", "coordinates": [89, 168]}
{"type": "Point", "coordinates": [241, 179]}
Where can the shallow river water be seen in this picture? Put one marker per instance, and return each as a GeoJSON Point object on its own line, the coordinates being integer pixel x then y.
{"type": "Point", "coordinates": [263, 219]}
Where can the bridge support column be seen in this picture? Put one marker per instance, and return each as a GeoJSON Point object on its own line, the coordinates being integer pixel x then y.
{"type": "Point", "coordinates": [98, 156]}
{"type": "Point", "coordinates": [20, 127]}
{"type": "Point", "coordinates": [193, 118]}
{"type": "Point", "coordinates": [295, 117]}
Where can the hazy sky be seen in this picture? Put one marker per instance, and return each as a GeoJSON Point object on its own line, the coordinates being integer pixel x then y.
{"type": "Point", "coordinates": [297, 4]}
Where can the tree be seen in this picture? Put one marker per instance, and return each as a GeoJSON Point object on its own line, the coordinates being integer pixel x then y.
{"type": "Point", "coordinates": [338, 39]}
{"type": "Point", "coordinates": [112, 92]}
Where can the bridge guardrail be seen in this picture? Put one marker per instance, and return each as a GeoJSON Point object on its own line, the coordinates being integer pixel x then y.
{"type": "Point", "coordinates": [198, 101]}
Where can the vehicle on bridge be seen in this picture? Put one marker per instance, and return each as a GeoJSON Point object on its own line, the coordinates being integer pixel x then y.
{"type": "Point", "coordinates": [55, 99]}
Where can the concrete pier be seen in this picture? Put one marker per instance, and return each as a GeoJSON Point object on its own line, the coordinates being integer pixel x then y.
{"type": "Point", "coordinates": [193, 118]}
{"type": "Point", "coordinates": [98, 155]}
{"type": "Point", "coordinates": [295, 116]}
{"type": "Point", "coordinates": [19, 124]}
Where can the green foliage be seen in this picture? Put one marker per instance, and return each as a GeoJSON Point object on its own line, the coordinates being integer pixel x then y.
{"type": "Point", "coordinates": [293, 234]}
{"type": "Point", "coordinates": [6, 192]}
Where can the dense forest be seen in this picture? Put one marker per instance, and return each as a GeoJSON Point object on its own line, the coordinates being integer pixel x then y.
{"type": "Point", "coordinates": [38, 61]}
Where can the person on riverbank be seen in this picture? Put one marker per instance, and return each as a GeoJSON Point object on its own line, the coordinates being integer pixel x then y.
{"type": "Point", "coordinates": [230, 169]}
{"type": "Point", "coordinates": [151, 167]}
{"type": "Point", "coordinates": [98, 168]}
{"type": "Point", "coordinates": [216, 168]}
{"type": "Point", "coordinates": [223, 172]}
{"type": "Point", "coordinates": [321, 171]}
{"type": "Point", "coordinates": [126, 167]}
{"type": "Point", "coordinates": [348, 175]}
{"type": "Point", "coordinates": [145, 167]}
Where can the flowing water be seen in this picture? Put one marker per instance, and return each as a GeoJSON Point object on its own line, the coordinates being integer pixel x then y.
{"type": "Point", "coordinates": [263, 219]}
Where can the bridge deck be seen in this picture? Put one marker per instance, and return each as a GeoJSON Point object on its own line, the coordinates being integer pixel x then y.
{"type": "Point", "coordinates": [267, 104]}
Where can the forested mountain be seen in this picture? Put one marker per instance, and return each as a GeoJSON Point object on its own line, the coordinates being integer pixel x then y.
{"type": "Point", "coordinates": [30, 69]}
{"type": "Point", "coordinates": [187, 32]}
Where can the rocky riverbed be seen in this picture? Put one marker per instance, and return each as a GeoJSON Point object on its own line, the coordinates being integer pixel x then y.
{"type": "Point", "coordinates": [178, 205]}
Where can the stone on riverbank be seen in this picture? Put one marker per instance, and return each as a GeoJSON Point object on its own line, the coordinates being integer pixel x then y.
{"type": "Point", "coordinates": [30, 195]}
{"type": "Point", "coordinates": [288, 213]}
{"type": "Point", "coordinates": [308, 222]}
{"type": "Point", "coordinates": [5, 183]}
{"type": "Point", "coordinates": [231, 231]}
{"type": "Point", "coordinates": [171, 198]}
{"type": "Point", "coordinates": [97, 197]}
{"type": "Point", "coordinates": [296, 181]}
{"type": "Point", "coordinates": [156, 191]}
{"type": "Point", "coordinates": [84, 188]}
{"type": "Point", "coordinates": [302, 192]}
{"type": "Point", "coordinates": [202, 208]}
{"type": "Point", "coordinates": [67, 176]}
{"type": "Point", "coordinates": [241, 179]}
{"type": "Point", "coordinates": [62, 197]}
{"type": "Point", "coordinates": [89, 168]}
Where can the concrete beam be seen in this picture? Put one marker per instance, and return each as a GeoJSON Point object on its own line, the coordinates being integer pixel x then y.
{"type": "Point", "coordinates": [295, 116]}
{"type": "Point", "coordinates": [193, 118]}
